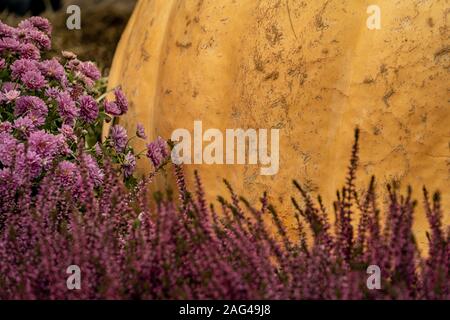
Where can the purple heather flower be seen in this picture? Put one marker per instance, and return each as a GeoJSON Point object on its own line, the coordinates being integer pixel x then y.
{"type": "Point", "coordinates": [38, 23]}
{"type": "Point", "coordinates": [88, 109]}
{"type": "Point", "coordinates": [8, 148]}
{"type": "Point", "coordinates": [30, 105]}
{"type": "Point", "coordinates": [119, 138]}
{"type": "Point", "coordinates": [112, 108]}
{"type": "Point", "coordinates": [121, 100]}
{"type": "Point", "coordinates": [68, 174]}
{"type": "Point", "coordinates": [140, 131]}
{"type": "Point", "coordinates": [129, 165]}
{"type": "Point", "coordinates": [34, 163]}
{"type": "Point", "coordinates": [95, 173]}
{"type": "Point", "coordinates": [2, 63]}
{"type": "Point", "coordinates": [22, 66]}
{"type": "Point", "coordinates": [98, 150]}
{"type": "Point", "coordinates": [157, 151]}
{"type": "Point", "coordinates": [67, 108]}
{"type": "Point", "coordinates": [33, 80]}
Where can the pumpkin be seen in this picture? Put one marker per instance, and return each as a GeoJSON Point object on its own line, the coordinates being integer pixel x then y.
{"type": "Point", "coordinates": [312, 69]}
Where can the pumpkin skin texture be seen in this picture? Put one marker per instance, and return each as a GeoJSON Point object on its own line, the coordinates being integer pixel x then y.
{"type": "Point", "coordinates": [310, 68]}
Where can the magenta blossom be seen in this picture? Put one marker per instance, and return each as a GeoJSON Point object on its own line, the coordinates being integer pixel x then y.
{"type": "Point", "coordinates": [9, 95]}
{"type": "Point", "coordinates": [68, 133]}
{"type": "Point", "coordinates": [53, 69]}
{"type": "Point", "coordinates": [6, 126]}
{"type": "Point", "coordinates": [157, 152]}
{"type": "Point", "coordinates": [7, 31]}
{"type": "Point", "coordinates": [52, 93]}
{"type": "Point", "coordinates": [121, 100]}
{"type": "Point", "coordinates": [36, 37]}
{"type": "Point", "coordinates": [90, 70]}
{"type": "Point", "coordinates": [88, 109]}
{"type": "Point", "coordinates": [68, 174]}
{"type": "Point", "coordinates": [8, 148]}
{"type": "Point", "coordinates": [38, 23]}
{"type": "Point", "coordinates": [129, 165]}
{"type": "Point", "coordinates": [47, 119]}
{"type": "Point", "coordinates": [98, 150]}
{"type": "Point", "coordinates": [112, 108]}
{"type": "Point", "coordinates": [33, 80]}
{"type": "Point", "coordinates": [9, 44]}
{"type": "Point", "coordinates": [30, 105]}
{"type": "Point", "coordinates": [46, 146]}
{"type": "Point", "coordinates": [119, 138]}
{"type": "Point", "coordinates": [29, 51]}
{"type": "Point", "coordinates": [24, 125]}
{"type": "Point", "coordinates": [140, 131]}
{"type": "Point", "coordinates": [67, 108]}
{"type": "Point", "coordinates": [95, 173]}
{"type": "Point", "coordinates": [22, 66]}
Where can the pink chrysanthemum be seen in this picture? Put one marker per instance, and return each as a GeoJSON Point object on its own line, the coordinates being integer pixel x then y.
{"type": "Point", "coordinates": [157, 152]}
{"type": "Point", "coordinates": [121, 100]}
{"type": "Point", "coordinates": [112, 108]}
{"type": "Point", "coordinates": [33, 80]}
{"type": "Point", "coordinates": [129, 165]}
{"type": "Point", "coordinates": [119, 138]}
{"type": "Point", "coordinates": [140, 131]}
{"type": "Point", "coordinates": [88, 109]}
{"type": "Point", "coordinates": [67, 108]}
{"type": "Point", "coordinates": [22, 66]}
{"type": "Point", "coordinates": [30, 105]}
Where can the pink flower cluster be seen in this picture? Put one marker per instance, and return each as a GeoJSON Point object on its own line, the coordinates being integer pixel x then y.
{"type": "Point", "coordinates": [49, 107]}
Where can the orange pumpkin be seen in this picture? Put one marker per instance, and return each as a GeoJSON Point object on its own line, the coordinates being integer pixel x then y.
{"type": "Point", "coordinates": [311, 68]}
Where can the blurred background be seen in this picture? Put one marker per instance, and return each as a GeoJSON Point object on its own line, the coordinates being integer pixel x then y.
{"type": "Point", "coordinates": [102, 23]}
